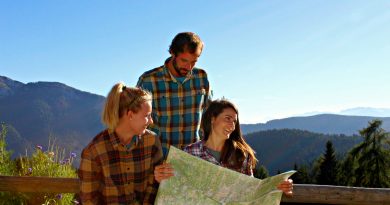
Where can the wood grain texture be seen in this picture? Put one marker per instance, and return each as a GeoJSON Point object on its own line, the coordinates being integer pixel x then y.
{"type": "Point", "coordinates": [303, 193]}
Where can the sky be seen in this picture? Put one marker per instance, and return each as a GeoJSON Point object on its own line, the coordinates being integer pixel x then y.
{"type": "Point", "coordinates": [274, 59]}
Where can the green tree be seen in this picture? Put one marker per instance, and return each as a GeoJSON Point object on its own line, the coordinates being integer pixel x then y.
{"type": "Point", "coordinates": [302, 175]}
{"type": "Point", "coordinates": [261, 172]}
{"type": "Point", "coordinates": [372, 161]}
{"type": "Point", "coordinates": [6, 164]}
{"type": "Point", "coordinates": [347, 171]}
{"type": "Point", "coordinates": [328, 166]}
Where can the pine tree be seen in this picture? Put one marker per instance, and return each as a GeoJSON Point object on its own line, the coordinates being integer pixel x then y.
{"type": "Point", "coordinates": [261, 172]}
{"type": "Point", "coordinates": [347, 171]}
{"type": "Point", "coordinates": [302, 176]}
{"type": "Point", "coordinates": [328, 166]}
{"type": "Point", "coordinates": [372, 157]}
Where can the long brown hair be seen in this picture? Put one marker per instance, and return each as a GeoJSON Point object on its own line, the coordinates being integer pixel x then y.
{"type": "Point", "coordinates": [235, 149]}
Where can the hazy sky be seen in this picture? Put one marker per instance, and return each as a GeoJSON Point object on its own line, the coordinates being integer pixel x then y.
{"type": "Point", "coordinates": [272, 58]}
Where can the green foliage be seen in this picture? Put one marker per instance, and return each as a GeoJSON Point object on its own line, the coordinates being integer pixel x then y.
{"type": "Point", "coordinates": [6, 164]}
{"type": "Point", "coordinates": [328, 166]}
{"type": "Point", "coordinates": [52, 162]}
{"type": "Point", "coordinates": [294, 146]}
{"type": "Point", "coordinates": [371, 157]}
{"type": "Point", "coordinates": [261, 172]}
{"type": "Point", "coordinates": [367, 164]}
{"type": "Point", "coordinates": [302, 175]}
{"type": "Point", "coordinates": [347, 171]}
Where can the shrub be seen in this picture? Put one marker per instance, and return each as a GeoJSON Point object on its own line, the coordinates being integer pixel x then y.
{"type": "Point", "coordinates": [52, 162]}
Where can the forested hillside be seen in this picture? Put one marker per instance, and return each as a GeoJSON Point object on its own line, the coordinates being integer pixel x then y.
{"type": "Point", "coordinates": [280, 149]}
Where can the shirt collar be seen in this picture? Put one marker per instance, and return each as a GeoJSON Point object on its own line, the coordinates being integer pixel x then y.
{"type": "Point", "coordinates": [202, 146]}
{"type": "Point", "coordinates": [115, 141]}
{"type": "Point", "coordinates": [171, 76]}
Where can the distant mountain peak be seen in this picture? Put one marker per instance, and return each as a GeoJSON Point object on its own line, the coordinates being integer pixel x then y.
{"type": "Point", "coordinates": [56, 87]}
{"type": "Point", "coordinates": [38, 111]}
{"type": "Point", "coordinates": [367, 111]}
{"type": "Point", "coordinates": [8, 86]}
{"type": "Point", "coordinates": [356, 111]}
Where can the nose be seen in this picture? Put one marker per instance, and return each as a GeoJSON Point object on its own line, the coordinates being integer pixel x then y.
{"type": "Point", "coordinates": [150, 120]}
{"type": "Point", "coordinates": [234, 125]}
{"type": "Point", "coordinates": [190, 65]}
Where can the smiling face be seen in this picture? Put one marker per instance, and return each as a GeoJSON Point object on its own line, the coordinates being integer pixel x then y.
{"type": "Point", "coordinates": [141, 119]}
{"type": "Point", "coordinates": [224, 124]}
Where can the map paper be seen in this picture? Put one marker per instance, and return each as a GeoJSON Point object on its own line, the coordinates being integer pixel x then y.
{"type": "Point", "coordinates": [198, 181]}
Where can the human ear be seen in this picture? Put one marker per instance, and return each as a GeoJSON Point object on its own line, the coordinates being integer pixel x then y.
{"type": "Point", "coordinates": [172, 54]}
{"type": "Point", "coordinates": [130, 114]}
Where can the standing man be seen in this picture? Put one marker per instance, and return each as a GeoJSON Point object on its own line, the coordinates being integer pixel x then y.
{"type": "Point", "coordinates": [180, 93]}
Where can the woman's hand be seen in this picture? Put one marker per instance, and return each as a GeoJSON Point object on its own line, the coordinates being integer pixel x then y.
{"type": "Point", "coordinates": [163, 171]}
{"type": "Point", "coordinates": [286, 187]}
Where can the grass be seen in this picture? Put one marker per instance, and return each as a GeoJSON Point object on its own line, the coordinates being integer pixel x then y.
{"type": "Point", "coordinates": [51, 162]}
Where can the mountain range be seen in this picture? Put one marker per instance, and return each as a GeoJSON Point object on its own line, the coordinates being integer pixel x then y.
{"type": "Point", "coordinates": [41, 111]}
{"type": "Point", "coordinates": [37, 112]}
{"type": "Point", "coordinates": [322, 123]}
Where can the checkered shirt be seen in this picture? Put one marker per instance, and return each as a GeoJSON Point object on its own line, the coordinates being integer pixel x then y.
{"type": "Point", "coordinates": [199, 149]}
{"type": "Point", "coordinates": [177, 106]}
{"type": "Point", "coordinates": [110, 173]}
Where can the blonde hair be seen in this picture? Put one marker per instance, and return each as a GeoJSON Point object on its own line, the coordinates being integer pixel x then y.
{"type": "Point", "coordinates": [120, 100]}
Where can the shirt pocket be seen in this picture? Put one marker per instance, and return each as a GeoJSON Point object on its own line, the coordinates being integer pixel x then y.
{"type": "Point", "coordinates": [198, 98]}
{"type": "Point", "coordinates": [161, 109]}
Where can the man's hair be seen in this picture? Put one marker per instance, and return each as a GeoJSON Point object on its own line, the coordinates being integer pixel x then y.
{"type": "Point", "coordinates": [185, 42]}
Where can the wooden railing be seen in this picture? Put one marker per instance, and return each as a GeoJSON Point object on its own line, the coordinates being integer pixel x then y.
{"type": "Point", "coordinates": [303, 193]}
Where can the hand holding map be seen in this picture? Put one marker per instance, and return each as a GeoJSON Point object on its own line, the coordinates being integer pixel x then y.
{"type": "Point", "coordinates": [197, 181]}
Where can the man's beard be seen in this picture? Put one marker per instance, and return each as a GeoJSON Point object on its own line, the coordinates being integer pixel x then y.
{"type": "Point", "coordinates": [177, 69]}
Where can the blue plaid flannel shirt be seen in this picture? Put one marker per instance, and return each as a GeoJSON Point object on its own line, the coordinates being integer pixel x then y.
{"type": "Point", "coordinates": [177, 106]}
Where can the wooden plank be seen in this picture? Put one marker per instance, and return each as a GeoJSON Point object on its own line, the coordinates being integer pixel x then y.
{"type": "Point", "coordinates": [324, 194]}
{"type": "Point", "coordinates": [303, 193]}
{"type": "Point", "coordinates": [39, 184]}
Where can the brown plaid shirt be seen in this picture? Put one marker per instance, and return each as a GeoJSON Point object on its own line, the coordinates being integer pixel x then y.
{"type": "Point", "coordinates": [111, 173]}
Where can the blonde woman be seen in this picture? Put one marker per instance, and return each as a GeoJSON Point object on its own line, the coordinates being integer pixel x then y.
{"type": "Point", "coordinates": [117, 165]}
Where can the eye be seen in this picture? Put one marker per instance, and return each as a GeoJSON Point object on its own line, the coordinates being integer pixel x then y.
{"type": "Point", "coordinates": [230, 119]}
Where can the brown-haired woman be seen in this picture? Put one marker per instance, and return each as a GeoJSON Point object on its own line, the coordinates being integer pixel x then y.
{"type": "Point", "coordinates": [117, 165]}
{"type": "Point", "coordinates": [223, 143]}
